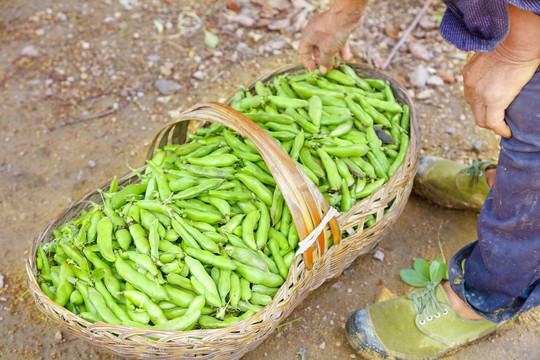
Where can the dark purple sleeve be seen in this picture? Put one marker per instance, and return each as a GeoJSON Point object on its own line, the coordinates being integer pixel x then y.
{"type": "Point", "coordinates": [480, 25]}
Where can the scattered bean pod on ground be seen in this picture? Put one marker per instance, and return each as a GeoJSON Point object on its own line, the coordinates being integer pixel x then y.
{"type": "Point", "coordinates": [204, 239]}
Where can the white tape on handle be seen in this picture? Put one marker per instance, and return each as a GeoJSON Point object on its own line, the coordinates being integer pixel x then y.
{"type": "Point", "coordinates": [314, 235]}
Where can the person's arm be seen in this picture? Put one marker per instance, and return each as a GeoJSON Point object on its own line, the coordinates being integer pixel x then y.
{"type": "Point", "coordinates": [493, 80]}
{"type": "Point", "coordinates": [326, 34]}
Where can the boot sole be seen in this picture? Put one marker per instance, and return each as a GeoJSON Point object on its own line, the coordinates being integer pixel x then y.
{"type": "Point", "coordinates": [438, 198]}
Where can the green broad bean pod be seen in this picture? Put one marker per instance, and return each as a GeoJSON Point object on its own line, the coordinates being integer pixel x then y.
{"type": "Point", "coordinates": [141, 300]}
{"type": "Point", "coordinates": [139, 281]}
{"type": "Point", "coordinates": [104, 239]}
{"type": "Point", "coordinates": [198, 271]}
{"type": "Point", "coordinates": [192, 315]}
{"type": "Point", "coordinates": [256, 276]}
{"type": "Point", "coordinates": [101, 307]}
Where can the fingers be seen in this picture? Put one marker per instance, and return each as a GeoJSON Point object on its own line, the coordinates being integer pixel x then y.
{"type": "Point", "coordinates": [484, 103]}
{"type": "Point", "coordinates": [311, 56]}
{"type": "Point", "coordinates": [345, 53]}
{"type": "Point", "coordinates": [491, 118]}
{"type": "Point", "coordinates": [316, 54]}
{"type": "Point", "coordinates": [308, 48]}
{"type": "Point", "coordinates": [495, 121]}
{"type": "Point", "coordinates": [479, 113]}
{"type": "Point", "coordinates": [326, 61]}
{"type": "Point", "coordinates": [305, 51]}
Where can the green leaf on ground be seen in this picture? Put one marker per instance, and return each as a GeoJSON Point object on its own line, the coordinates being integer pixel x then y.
{"type": "Point", "coordinates": [413, 277]}
{"type": "Point", "coordinates": [422, 266]}
{"type": "Point", "coordinates": [424, 272]}
{"type": "Point", "coordinates": [437, 270]}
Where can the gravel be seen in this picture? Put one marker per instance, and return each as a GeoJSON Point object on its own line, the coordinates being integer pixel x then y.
{"type": "Point", "coordinates": [167, 87]}
{"type": "Point", "coordinates": [419, 77]}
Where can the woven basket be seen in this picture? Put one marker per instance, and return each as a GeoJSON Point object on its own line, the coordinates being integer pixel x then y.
{"type": "Point", "coordinates": [306, 274]}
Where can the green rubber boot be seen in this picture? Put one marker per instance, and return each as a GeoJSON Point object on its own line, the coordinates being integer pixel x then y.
{"type": "Point", "coordinates": [420, 325]}
{"type": "Point", "coordinates": [451, 184]}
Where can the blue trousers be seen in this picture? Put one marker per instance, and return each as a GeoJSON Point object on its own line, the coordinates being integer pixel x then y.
{"type": "Point", "coordinates": [498, 275]}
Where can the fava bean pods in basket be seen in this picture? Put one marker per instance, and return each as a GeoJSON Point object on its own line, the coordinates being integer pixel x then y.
{"type": "Point", "coordinates": [202, 237]}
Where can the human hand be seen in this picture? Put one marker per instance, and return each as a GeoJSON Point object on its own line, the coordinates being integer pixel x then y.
{"type": "Point", "coordinates": [327, 33]}
{"type": "Point", "coordinates": [493, 80]}
{"type": "Point", "coordinates": [321, 40]}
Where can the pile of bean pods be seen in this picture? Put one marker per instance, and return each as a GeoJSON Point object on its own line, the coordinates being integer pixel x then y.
{"type": "Point", "coordinates": [204, 239]}
{"type": "Point", "coordinates": [347, 133]}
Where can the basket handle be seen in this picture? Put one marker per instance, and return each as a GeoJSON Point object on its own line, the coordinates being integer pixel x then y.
{"type": "Point", "coordinates": [304, 199]}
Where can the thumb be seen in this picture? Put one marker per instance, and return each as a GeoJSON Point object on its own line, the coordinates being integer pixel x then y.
{"type": "Point", "coordinates": [326, 61]}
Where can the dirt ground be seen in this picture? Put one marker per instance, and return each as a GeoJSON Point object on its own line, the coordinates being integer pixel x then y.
{"type": "Point", "coordinates": [80, 101]}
